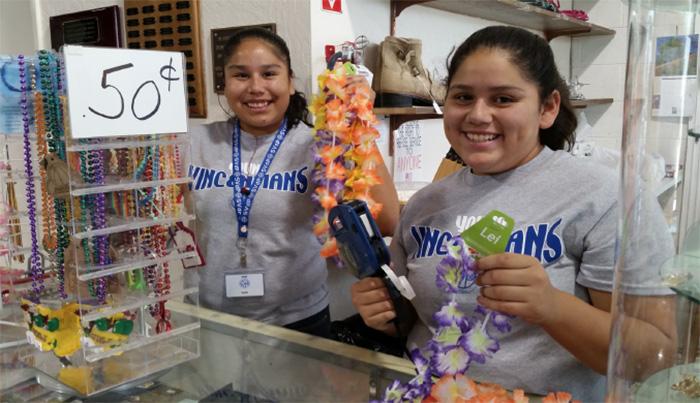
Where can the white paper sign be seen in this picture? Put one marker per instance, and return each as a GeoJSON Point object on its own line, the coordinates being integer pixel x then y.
{"type": "Point", "coordinates": [674, 96]}
{"type": "Point", "coordinates": [122, 92]}
{"type": "Point", "coordinates": [409, 154]}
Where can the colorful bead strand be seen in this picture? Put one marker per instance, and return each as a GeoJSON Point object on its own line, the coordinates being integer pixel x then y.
{"type": "Point", "coordinates": [35, 269]}
{"type": "Point", "coordinates": [53, 105]}
{"type": "Point", "coordinates": [100, 222]}
{"type": "Point", "coordinates": [48, 218]}
{"type": "Point", "coordinates": [85, 202]}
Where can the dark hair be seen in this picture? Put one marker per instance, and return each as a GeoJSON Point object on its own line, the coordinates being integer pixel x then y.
{"type": "Point", "coordinates": [297, 110]}
{"type": "Point", "coordinates": [535, 59]}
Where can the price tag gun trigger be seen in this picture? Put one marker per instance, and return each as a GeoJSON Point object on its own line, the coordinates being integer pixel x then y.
{"type": "Point", "coordinates": [362, 248]}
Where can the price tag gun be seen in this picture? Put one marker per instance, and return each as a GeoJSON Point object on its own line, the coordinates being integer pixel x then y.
{"type": "Point", "coordinates": [364, 252]}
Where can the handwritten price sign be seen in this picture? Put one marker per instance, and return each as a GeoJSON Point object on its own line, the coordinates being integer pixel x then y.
{"type": "Point", "coordinates": [123, 92]}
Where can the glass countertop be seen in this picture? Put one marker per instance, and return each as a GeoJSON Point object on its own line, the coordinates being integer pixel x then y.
{"type": "Point", "coordinates": [242, 360]}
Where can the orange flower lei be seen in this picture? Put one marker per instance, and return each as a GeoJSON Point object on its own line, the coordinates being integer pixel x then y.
{"type": "Point", "coordinates": [345, 155]}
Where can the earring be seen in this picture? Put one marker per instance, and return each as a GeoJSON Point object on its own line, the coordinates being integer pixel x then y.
{"type": "Point", "coordinates": [229, 114]}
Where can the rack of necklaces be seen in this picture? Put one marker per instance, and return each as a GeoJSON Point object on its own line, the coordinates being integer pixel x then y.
{"type": "Point", "coordinates": [88, 238]}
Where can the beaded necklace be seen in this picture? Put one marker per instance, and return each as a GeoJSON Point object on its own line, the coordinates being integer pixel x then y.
{"type": "Point", "coordinates": [92, 216]}
{"type": "Point", "coordinates": [84, 202]}
{"type": "Point", "coordinates": [35, 269]}
{"type": "Point", "coordinates": [126, 205]}
{"type": "Point", "coordinates": [156, 202]}
{"type": "Point", "coordinates": [166, 198]}
{"type": "Point", "coordinates": [101, 251]}
{"type": "Point", "coordinates": [49, 220]}
{"type": "Point", "coordinates": [53, 114]}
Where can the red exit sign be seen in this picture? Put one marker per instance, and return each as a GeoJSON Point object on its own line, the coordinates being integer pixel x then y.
{"type": "Point", "coordinates": [332, 5]}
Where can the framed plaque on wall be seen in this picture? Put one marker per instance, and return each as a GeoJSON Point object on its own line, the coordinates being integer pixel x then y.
{"type": "Point", "coordinates": [219, 37]}
{"type": "Point", "coordinates": [96, 27]}
{"type": "Point", "coordinates": [172, 25]}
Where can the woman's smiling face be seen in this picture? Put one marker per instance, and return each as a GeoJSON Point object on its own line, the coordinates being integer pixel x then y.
{"type": "Point", "coordinates": [258, 86]}
{"type": "Point", "coordinates": [493, 114]}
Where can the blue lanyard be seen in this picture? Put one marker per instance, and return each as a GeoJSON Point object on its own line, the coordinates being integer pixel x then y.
{"type": "Point", "coordinates": [243, 203]}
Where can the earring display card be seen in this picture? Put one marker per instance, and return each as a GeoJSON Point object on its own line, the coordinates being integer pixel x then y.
{"type": "Point", "coordinates": [219, 37]}
{"type": "Point", "coordinates": [170, 25]}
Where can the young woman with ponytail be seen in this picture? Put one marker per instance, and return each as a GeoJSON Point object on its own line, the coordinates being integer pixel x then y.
{"type": "Point", "coordinates": [262, 258]}
{"type": "Point", "coordinates": [507, 115]}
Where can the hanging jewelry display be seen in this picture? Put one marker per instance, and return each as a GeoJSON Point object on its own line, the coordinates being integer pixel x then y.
{"type": "Point", "coordinates": [97, 221]}
{"type": "Point", "coordinates": [344, 152]}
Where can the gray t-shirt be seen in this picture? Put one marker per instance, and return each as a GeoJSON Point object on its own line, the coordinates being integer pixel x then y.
{"type": "Point", "coordinates": [565, 212]}
{"type": "Point", "coordinates": [281, 244]}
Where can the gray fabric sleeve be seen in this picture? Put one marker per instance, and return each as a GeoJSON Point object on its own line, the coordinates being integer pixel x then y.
{"type": "Point", "coordinates": [398, 251]}
{"type": "Point", "coordinates": [598, 258]}
{"type": "Point", "coordinates": [648, 246]}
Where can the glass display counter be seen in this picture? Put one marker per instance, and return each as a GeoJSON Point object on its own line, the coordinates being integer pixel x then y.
{"type": "Point", "coordinates": [654, 352]}
{"type": "Point", "coordinates": [242, 360]}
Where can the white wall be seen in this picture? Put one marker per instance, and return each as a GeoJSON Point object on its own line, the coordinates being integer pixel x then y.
{"type": "Point", "coordinates": [600, 61]}
{"type": "Point", "coordinates": [16, 27]}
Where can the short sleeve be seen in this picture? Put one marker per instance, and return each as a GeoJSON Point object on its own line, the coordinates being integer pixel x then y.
{"type": "Point", "coordinates": [648, 246]}
{"type": "Point", "coordinates": [598, 257]}
{"type": "Point", "coordinates": [398, 251]}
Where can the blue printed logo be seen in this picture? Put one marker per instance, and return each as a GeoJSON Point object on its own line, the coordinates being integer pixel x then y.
{"type": "Point", "coordinates": [287, 181]}
{"type": "Point", "coordinates": [244, 283]}
{"type": "Point", "coordinates": [467, 281]}
{"type": "Point", "coordinates": [540, 241]}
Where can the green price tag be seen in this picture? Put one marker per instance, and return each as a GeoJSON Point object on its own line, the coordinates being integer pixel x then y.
{"type": "Point", "coordinates": [350, 68]}
{"type": "Point", "coordinates": [490, 234]}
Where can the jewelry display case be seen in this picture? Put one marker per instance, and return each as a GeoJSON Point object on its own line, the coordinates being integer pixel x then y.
{"type": "Point", "coordinates": [654, 353]}
{"type": "Point", "coordinates": [245, 360]}
{"type": "Point", "coordinates": [101, 216]}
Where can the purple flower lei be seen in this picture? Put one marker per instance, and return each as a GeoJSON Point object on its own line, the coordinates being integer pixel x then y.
{"type": "Point", "coordinates": [459, 339]}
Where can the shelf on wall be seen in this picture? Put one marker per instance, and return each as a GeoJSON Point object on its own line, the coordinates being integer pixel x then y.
{"type": "Point", "coordinates": [584, 103]}
{"type": "Point", "coordinates": [667, 184]}
{"type": "Point", "coordinates": [407, 110]}
{"type": "Point", "coordinates": [401, 115]}
{"type": "Point", "coordinates": [427, 112]}
{"type": "Point", "coordinates": [512, 12]}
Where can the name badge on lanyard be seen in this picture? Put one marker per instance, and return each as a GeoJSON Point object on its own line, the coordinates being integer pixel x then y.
{"type": "Point", "coordinates": [243, 195]}
{"type": "Point", "coordinates": [245, 285]}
